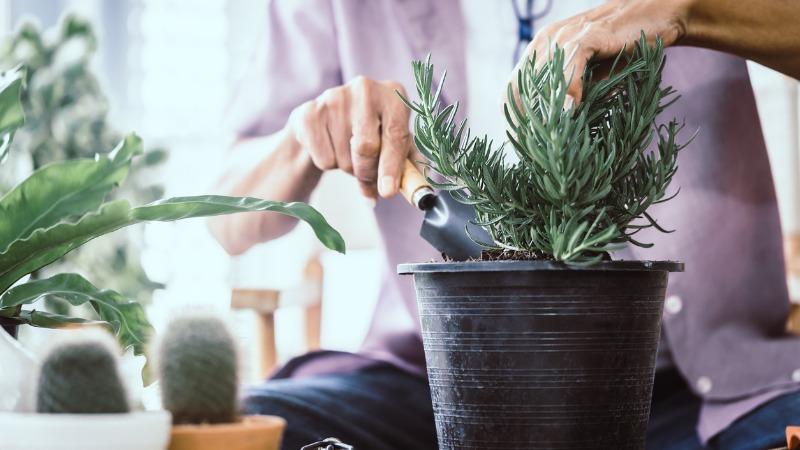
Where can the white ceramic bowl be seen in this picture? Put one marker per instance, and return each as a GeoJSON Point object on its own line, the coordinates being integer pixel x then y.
{"type": "Point", "coordinates": [133, 431]}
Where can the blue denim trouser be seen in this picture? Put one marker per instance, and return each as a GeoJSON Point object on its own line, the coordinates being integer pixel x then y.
{"type": "Point", "coordinates": [383, 408]}
{"type": "Point", "coordinates": [675, 409]}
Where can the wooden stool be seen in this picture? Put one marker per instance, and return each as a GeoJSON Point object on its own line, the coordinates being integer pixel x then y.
{"type": "Point", "coordinates": [791, 249]}
{"type": "Point", "coordinates": [264, 302]}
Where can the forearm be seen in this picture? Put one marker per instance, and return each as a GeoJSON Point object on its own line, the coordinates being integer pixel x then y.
{"type": "Point", "coordinates": [766, 31]}
{"type": "Point", "coordinates": [286, 173]}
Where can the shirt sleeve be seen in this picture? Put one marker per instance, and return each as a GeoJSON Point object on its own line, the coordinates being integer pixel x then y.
{"type": "Point", "coordinates": [295, 60]}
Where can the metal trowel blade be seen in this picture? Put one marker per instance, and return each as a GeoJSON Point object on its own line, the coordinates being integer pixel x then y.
{"type": "Point", "coordinates": [445, 226]}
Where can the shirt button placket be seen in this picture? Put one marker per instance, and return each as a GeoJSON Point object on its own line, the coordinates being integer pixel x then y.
{"type": "Point", "coordinates": [673, 304]}
{"type": "Point", "coordinates": [704, 385]}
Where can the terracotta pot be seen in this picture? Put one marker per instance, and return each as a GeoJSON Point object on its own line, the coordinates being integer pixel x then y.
{"type": "Point", "coordinates": [793, 438]}
{"type": "Point", "coordinates": [251, 433]}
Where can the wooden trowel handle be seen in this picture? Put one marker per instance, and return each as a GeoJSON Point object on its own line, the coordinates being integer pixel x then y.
{"type": "Point", "coordinates": [415, 188]}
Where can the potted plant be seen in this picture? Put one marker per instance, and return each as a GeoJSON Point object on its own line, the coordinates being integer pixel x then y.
{"type": "Point", "coordinates": [63, 205]}
{"type": "Point", "coordinates": [67, 117]}
{"type": "Point", "coordinates": [197, 367]}
{"type": "Point", "coordinates": [81, 402]}
{"type": "Point", "coordinates": [545, 342]}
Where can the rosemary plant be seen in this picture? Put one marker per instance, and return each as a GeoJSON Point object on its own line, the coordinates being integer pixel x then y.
{"type": "Point", "coordinates": [584, 175]}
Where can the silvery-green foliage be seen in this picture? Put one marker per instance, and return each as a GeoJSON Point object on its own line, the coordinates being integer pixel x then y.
{"type": "Point", "coordinates": [585, 174]}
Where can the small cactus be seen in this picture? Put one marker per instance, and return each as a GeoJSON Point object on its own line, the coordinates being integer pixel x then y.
{"type": "Point", "coordinates": [81, 377]}
{"type": "Point", "coordinates": [197, 366]}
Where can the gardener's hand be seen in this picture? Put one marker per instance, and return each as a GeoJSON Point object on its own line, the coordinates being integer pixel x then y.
{"type": "Point", "coordinates": [603, 32]}
{"type": "Point", "coordinates": [360, 128]}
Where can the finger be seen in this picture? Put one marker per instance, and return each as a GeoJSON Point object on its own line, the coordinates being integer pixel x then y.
{"type": "Point", "coordinates": [338, 126]}
{"type": "Point", "coordinates": [366, 141]}
{"type": "Point", "coordinates": [575, 60]}
{"type": "Point", "coordinates": [539, 49]}
{"type": "Point", "coordinates": [584, 43]}
{"type": "Point", "coordinates": [309, 123]}
{"type": "Point", "coordinates": [395, 140]}
{"type": "Point", "coordinates": [570, 38]}
{"type": "Point", "coordinates": [545, 42]}
{"type": "Point", "coordinates": [512, 88]}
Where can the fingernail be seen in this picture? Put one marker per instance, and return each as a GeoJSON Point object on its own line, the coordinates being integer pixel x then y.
{"type": "Point", "coordinates": [386, 185]}
{"type": "Point", "coordinates": [569, 101]}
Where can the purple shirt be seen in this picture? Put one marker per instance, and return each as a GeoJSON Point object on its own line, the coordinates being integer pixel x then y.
{"type": "Point", "coordinates": [725, 316]}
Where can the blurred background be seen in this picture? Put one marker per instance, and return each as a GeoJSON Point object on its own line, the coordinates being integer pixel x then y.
{"type": "Point", "coordinates": [166, 69]}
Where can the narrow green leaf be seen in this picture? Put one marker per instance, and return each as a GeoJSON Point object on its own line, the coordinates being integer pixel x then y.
{"type": "Point", "coordinates": [595, 156]}
{"type": "Point", "coordinates": [45, 245]}
{"type": "Point", "coordinates": [213, 205]}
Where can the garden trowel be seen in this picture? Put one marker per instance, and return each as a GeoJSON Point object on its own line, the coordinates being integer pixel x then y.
{"type": "Point", "coordinates": [446, 220]}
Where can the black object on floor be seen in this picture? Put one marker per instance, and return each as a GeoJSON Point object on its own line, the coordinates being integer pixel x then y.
{"type": "Point", "coordinates": [379, 408]}
{"type": "Point", "coordinates": [328, 444]}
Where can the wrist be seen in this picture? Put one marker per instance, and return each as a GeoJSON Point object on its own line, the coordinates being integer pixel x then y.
{"type": "Point", "coordinates": [679, 13]}
{"type": "Point", "coordinates": [297, 153]}
{"type": "Point", "coordinates": [692, 20]}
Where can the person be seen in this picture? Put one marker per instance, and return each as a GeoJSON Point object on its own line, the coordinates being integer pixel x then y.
{"type": "Point", "coordinates": [321, 96]}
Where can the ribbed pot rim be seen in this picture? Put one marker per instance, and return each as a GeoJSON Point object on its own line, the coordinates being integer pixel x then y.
{"type": "Point", "coordinates": [528, 266]}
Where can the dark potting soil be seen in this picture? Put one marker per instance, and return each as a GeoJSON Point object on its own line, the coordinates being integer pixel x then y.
{"type": "Point", "coordinates": [514, 255]}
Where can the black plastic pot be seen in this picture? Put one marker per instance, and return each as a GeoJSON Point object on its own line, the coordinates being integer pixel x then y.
{"type": "Point", "coordinates": [539, 355]}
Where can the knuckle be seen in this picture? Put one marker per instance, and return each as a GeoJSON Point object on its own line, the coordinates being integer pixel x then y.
{"type": "Point", "coordinates": [366, 169]}
{"type": "Point", "coordinates": [397, 132]}
{"type": "Point", "coordinates": [365, 176]}
{"type": "Point", "coordinates": [548, 32]}
{"type": "Point", "coordinates": [346, 165]}
{"type": "Point", "coordinates": [360, 83]}
{"type": "Point", "coordinates": [552, 27]}
{"type": "Point", "coordinates": [363, 90]}
{"type": "Point", "coordinates": [334, 97]}
{"type": "Point", "coordinates": [305, 115]}
{"type": "Point", "coordinates": [562, 34]}
{"type": "Point", "coordinates": [395, 86]}
{"type": "Point", "coordinates": [328, 96]}
{"type": "Point", "coordinates": [366, 147]}
{"type": "Point", "coordinates": [312, 112]}
{"type": "Point", "coordinates": [328, 164]}
{"type": "Point", "coordinates": [323, 160]}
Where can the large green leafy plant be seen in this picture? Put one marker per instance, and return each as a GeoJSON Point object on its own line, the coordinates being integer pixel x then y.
{"type": "Point", "coordinates": [67, 117]}
{"type": "Point", "coordinates": [584, 176]}
{"type": "Point", "coordinates": [64, 205]}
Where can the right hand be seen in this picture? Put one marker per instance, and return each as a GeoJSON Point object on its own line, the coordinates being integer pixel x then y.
{"type": "Point", "coordinates": [601, 33]}
{"type": "Point", "coordinates": [360, 128]}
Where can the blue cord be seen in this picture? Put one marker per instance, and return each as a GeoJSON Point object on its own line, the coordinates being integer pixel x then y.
{"type": "Point", "coordinates": [525, 24]}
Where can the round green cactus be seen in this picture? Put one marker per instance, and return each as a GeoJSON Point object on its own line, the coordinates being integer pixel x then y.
{"type": "Point", "coordinates": [197, 366]}
{"type": "Point", "coordinates": [81, 377]}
